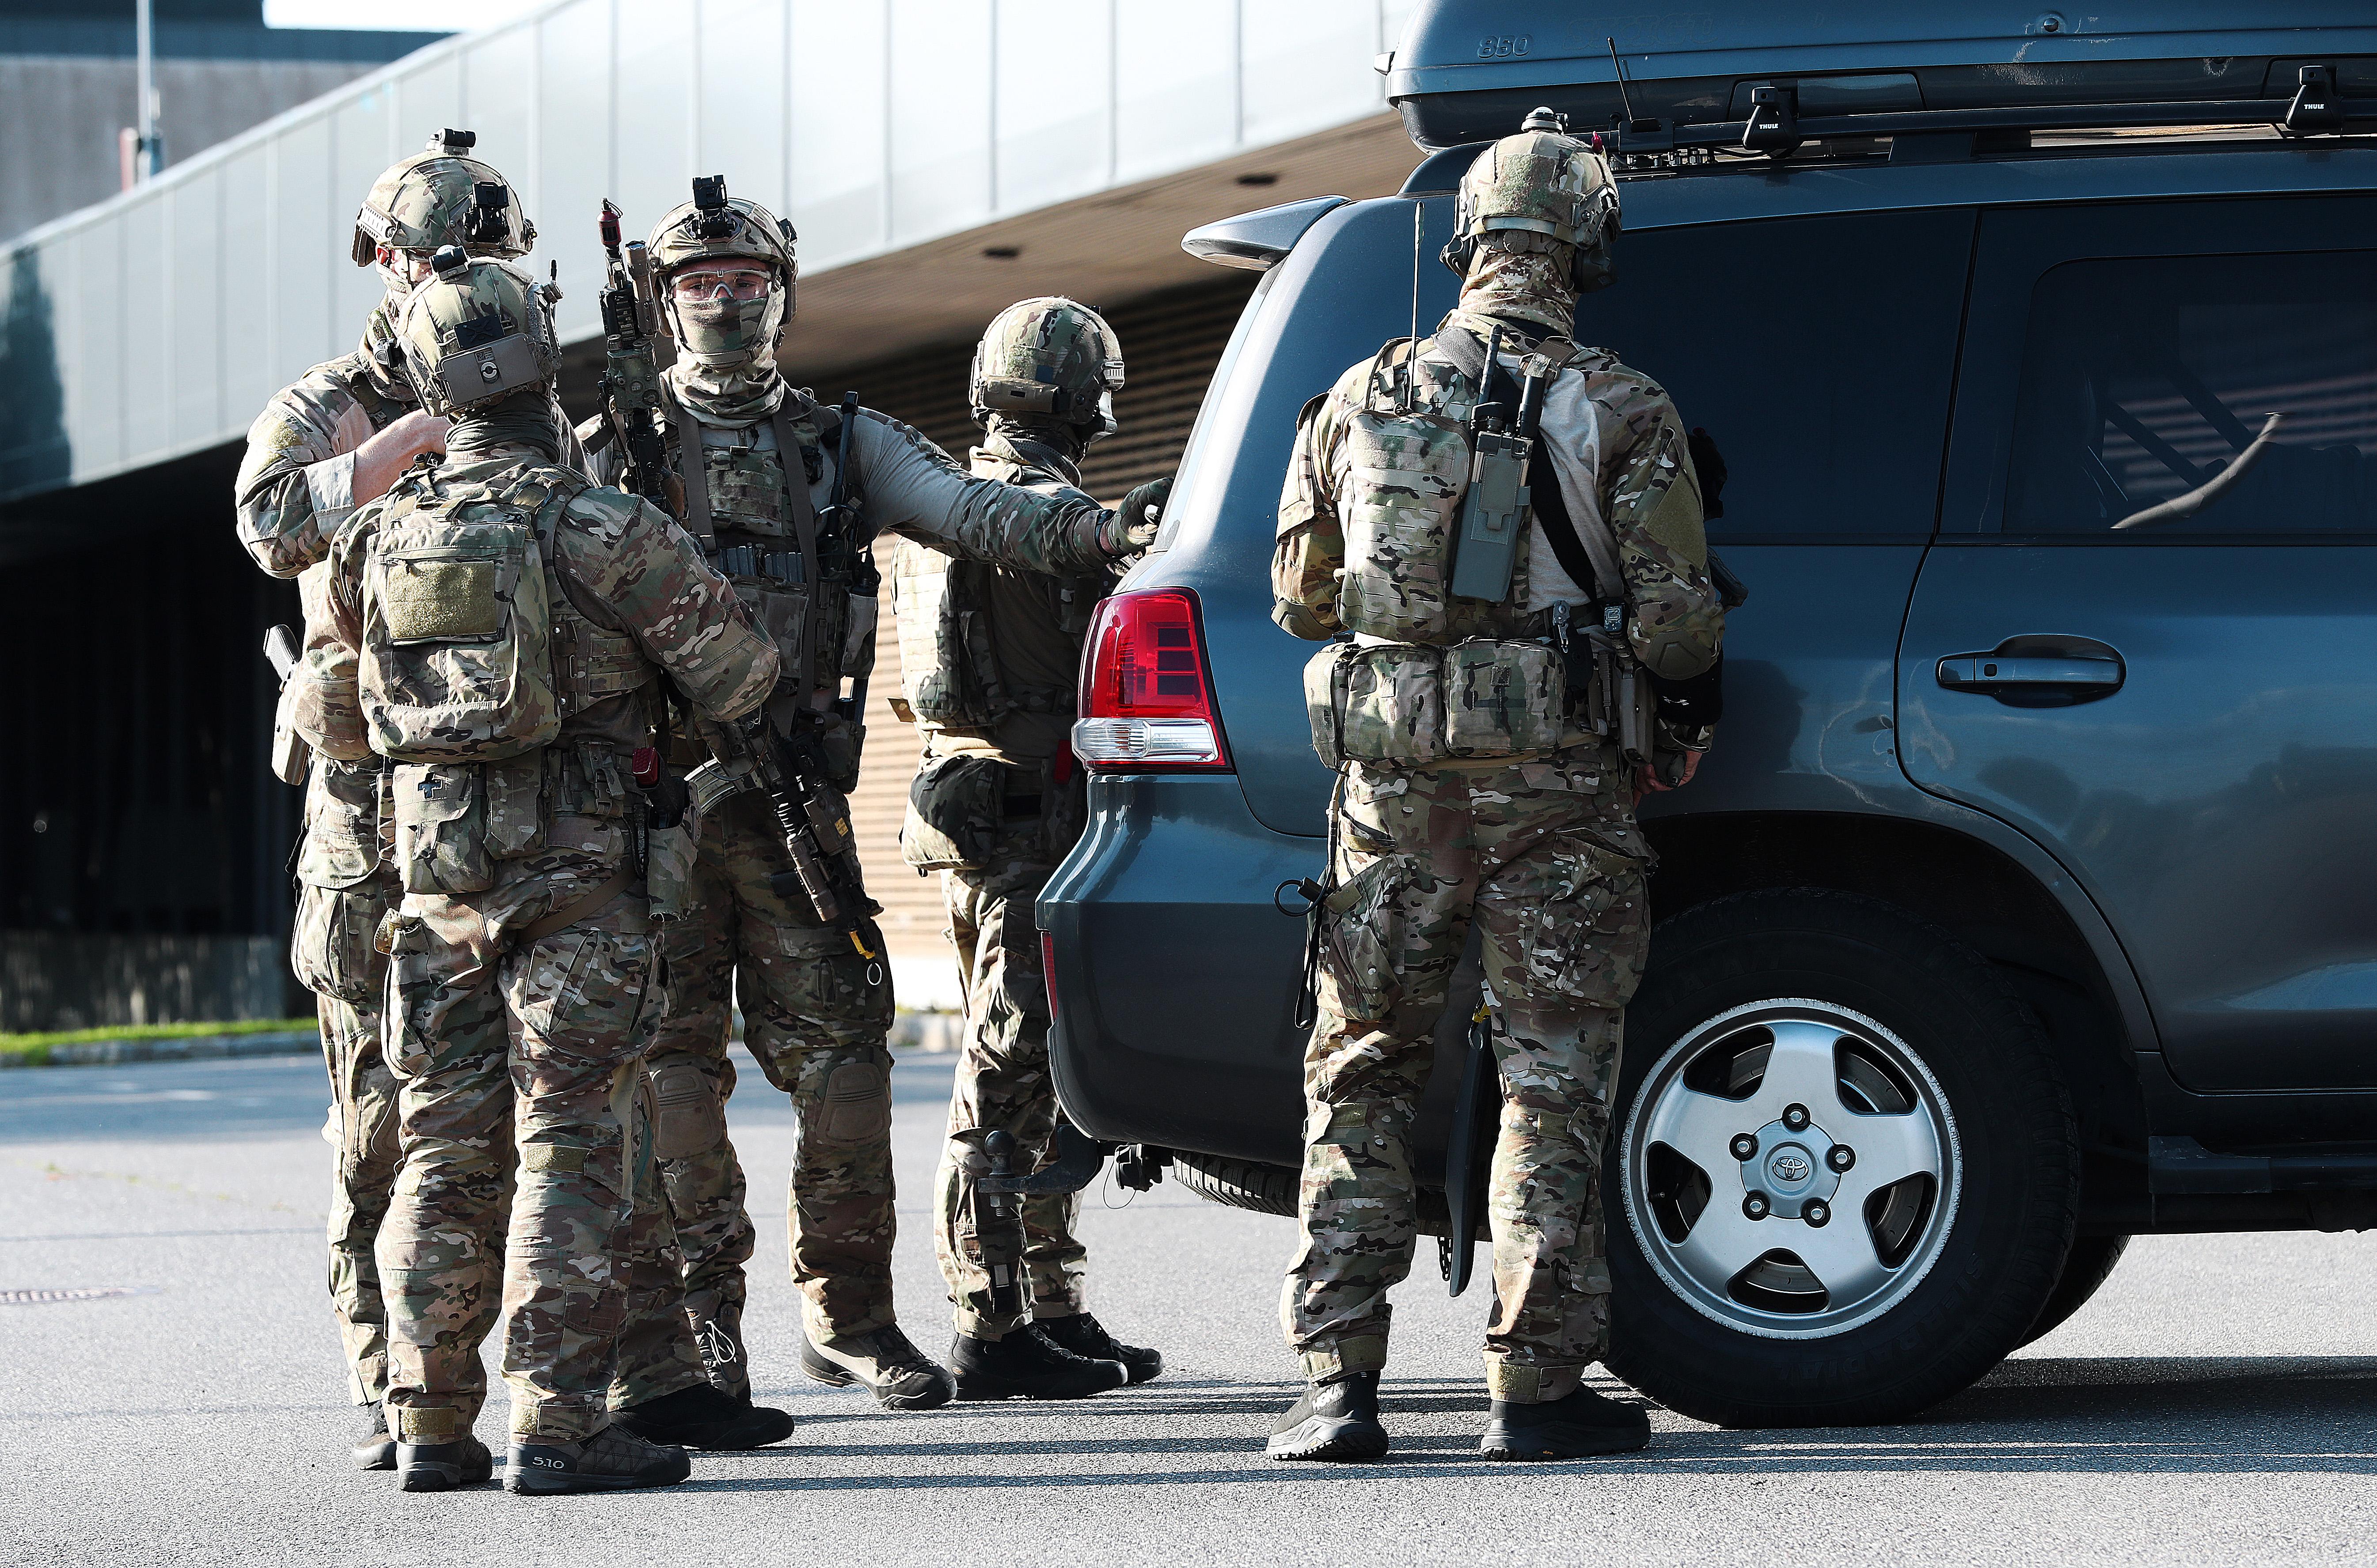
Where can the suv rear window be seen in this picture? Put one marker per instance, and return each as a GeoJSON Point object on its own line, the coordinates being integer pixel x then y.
{"type": "Point", "coordinates": [2144, 378]}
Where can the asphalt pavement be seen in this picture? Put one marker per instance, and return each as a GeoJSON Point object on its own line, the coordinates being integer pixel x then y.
{"type": "Point", "coordinates": [171, 1392]}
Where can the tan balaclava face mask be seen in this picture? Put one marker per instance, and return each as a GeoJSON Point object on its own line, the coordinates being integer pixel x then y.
{"type": "Point", "coordinates": [1521, 277]}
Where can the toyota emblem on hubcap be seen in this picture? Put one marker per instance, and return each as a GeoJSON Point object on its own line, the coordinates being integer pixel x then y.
{"type": "Point", "coordinates": [1791, 1168]}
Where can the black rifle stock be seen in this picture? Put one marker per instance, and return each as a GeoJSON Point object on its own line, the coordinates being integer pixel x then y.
{"type": "Point", "coordinates": [814, 817]}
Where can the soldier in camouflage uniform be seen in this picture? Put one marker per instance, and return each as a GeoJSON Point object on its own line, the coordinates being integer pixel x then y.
{"type": "Point", "coordinates": [815, 1012]}
{"type": "Point", "coordinates": [500, 631]}
{"type": "Point", "coordinates": [1489, 753]}
{"type": "Point", "coordinates": [332, 441]}
{"type": "Point", "coordinates": [988, 660]}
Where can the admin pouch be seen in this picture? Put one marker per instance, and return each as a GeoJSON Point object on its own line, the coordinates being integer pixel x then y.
{"type": "Point", "coordinates": [456, 663]}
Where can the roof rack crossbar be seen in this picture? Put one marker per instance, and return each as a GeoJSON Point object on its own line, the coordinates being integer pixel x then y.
{"type": "Point", "coordinates": [2046, 118]}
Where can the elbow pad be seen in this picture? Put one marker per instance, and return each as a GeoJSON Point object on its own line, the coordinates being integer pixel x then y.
{"type": "Point", "coordinates": [1693, 702]}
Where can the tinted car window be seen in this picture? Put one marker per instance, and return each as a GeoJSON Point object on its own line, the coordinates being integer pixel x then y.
{"type": "Point", "coordinates": [1818, 352]}
{"type": "Point", "coordinates": [2145, 377]}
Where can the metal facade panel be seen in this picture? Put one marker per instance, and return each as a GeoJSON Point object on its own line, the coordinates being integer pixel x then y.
{"type": "Point", "coordinates": [193, 398]}
{"type": "Point", "coordinates": [896, 121]}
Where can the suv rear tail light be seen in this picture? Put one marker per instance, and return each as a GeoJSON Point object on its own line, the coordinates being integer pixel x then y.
{"type": "Point", "coordinates": [1147, 694]}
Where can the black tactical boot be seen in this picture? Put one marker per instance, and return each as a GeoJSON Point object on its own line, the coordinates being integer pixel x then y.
{"type": "Point", "coordinates": [375, 1450]}
{"type": "Point", "coordinates": [1087, 1338]}
{"type": "Point", "coordinates": [1335, 1420]}
{"type": "Point", "coordinates": [900, 1376]}
{"type": "Point", "coordinates": [442, 1467]}
{"type": "Point", "coordinates": [1575, 1427]}
{"type": "Point", "coordinates": [701, 1416]}
{"type": "Point", "coordinates": [611, 1460]}
{"type": "Point", "coordinates": [1027, 1365]}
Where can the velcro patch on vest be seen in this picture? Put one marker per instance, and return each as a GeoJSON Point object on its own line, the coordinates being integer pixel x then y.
{"type": "Point", "coordinates": [441, 600]}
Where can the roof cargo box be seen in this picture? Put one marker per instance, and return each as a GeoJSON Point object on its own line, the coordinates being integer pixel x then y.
{"type": "Point", "coordinates": [1469, 70]}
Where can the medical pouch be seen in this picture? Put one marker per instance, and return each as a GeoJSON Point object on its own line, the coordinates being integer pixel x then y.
{"type": "Point", "coordinates": [1503, 698]}
{"type": "Point", "coordinates": [441, 828]}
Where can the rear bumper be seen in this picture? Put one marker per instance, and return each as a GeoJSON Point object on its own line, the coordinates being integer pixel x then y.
{"type": "Point", "coordinates": [1176, 977]}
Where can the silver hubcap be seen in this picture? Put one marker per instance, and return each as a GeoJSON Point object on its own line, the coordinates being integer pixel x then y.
{"type": "Point", "coordinates": [1791, 1169]}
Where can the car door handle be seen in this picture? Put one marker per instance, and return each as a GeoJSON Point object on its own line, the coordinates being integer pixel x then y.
{"type": "Point", "coordinates": [1994, 672]}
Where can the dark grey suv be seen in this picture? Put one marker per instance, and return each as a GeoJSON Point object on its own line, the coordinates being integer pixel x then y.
{"type": "Point", "coordinates": [2035, 855]}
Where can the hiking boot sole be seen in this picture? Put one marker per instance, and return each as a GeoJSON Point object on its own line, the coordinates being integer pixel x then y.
{"type": "Point", "coordinates": [1583, 1445]}
{"type": "Point", "coordinates": [756, 1429]}
{"type": "Point", "coordinates": [531, 1482]}
{"type": "Point", "coordinates": [985, 1390]}
{"type": "Point", "coordinates": [439, 1475]}
{"type": "Point", "coordinates": [1330, 1440]}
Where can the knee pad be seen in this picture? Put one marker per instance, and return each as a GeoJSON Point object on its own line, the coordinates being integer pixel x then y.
{"type": "Point", "coordinates": [688, 1119]}
{"type": "Point", "coordinates": [856, 1106]}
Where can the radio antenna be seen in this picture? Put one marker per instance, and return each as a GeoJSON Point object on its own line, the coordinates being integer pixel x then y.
{"type": "Point", "coordinates": [1618, 65]}
{"type": "Point", "coordinates": [1411, 357]}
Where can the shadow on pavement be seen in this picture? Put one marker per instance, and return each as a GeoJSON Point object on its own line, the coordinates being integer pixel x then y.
{"type": "Point", "coordinates": [2151, 1416]}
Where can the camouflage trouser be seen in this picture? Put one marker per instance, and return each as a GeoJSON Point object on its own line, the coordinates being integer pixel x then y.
{"type": "Point", "coordinates": [330, 951]}
{"type": "Point", "coordinates": [1002, 1080]}
{"type": "Point", "coordinates": [525, 1069]}
{"type": "Point", "coordinates": [366, 1093]}
{"type": "Point", "coordinates": [818, 1030]}
{"type": "Point", "coordinates": [1546, 857]}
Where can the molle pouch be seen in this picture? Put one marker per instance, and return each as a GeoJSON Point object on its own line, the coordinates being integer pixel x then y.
{"type": "Point", "coordinates": [441, 828]}
{"type": "Point", "coordinates": [456, 663]}
{"type": "Point", "coordinates": [1503, 698]}
{"type": "Point", "coordinates": [954, 808]}
{"type": "Point", "coordinates": [331, 946]}
{"type": "Point", "coordinates": [1637, 707]}
{"type": "Point", "coordinates": [668, 863]}
{"type": "Point", "coordinates": [746, 490]}
{"type": "Point", "coordinates": [516, 806]}
{"type": "Point", "coordinates": [1399, 500]}
{"type": "Point", "coordinates": [858, 635]}
{"type": "Point", "coordinates": [842, 740]}
{"type": "Point", "coordinates": [1389, 703]}
{"type": "Point", "coordinates": [1321, 704]}
{"type": "Point", "coordinates": [341, 843]}
{"type": "Point", "coordinates": [783, 611]}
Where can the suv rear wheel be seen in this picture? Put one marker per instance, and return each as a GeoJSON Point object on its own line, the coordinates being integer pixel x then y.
{"type": "Point", "coordinates": [1847, 1174]}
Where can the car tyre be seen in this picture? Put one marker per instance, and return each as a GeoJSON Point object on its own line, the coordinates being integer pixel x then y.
{"type": "Point", "coordinates": [2088, 1266]}
{"type": "Point", "coordinates": [1951, 1034]}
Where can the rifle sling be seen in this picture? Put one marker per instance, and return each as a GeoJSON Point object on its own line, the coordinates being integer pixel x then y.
{"type": "Point", "coordinates": [693, 472]}
{"type": "Point", "coordinates": [805, 532]}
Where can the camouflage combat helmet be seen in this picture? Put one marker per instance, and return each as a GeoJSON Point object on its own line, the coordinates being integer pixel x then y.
{"type": "Point", "coordinates": [440, 198]}
{"type": "Point", "coordinates": [1048, 356]}
{"type": "Point", "coordinates": [475, 332]}
{"type": "Point", "coordinates": [711, 227]}
{"type": "Point", "coordinates": [1545, 182]}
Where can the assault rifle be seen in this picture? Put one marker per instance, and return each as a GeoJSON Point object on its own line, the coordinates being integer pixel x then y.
{"type": "Point", "coordinates": [632, 379]}
{"type": "Point", "coordinates": [814, 817]}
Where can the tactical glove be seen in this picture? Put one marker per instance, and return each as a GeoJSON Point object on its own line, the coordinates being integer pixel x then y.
{"type": "Point", "coordinates": [1131, 528]}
